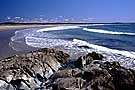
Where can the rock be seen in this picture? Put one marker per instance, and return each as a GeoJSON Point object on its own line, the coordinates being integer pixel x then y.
{"type": "Point", "coordinates": [85, 60]}
{"type": "Point", "coordinates": [68, 84]}
{"type": "Point", "coordinates": [95, 56]}
{"type": "Point", "coordinates": [108, 76]}
{"type": "Point", "coordinates": [32, 69]}
{"type": "Point", "coordinates": [5, 85]}
{"type": "Point", "coordinates": [87, 47]}
{"type": "Point", "coordinates": [66, 73]}
{"type": "Point", "coordinates": [123, 79]}
{"type": "Point", "coordinates": [40, 70]}
{"type": "Point", "coordinates": [110, 65]}
{"type": "Point", "coordinates": [94, 75]}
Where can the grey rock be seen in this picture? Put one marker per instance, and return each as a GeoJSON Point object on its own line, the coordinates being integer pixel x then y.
{"type": "Point", "coordinates": [31, 70]}
{"type": "Point", "coordinates": [96, 75]}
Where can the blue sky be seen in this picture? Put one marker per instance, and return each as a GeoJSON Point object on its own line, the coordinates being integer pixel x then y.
{"type": "Point", "coordinates": [99, 10]}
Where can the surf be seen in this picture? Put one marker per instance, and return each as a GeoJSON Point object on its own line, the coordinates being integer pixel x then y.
{"type": "Point", "coordinates": [57, 28]}
{"type": "Point", "coordinates": [108, 32]}
{"type": "Point", "coordinates": [105, 49]}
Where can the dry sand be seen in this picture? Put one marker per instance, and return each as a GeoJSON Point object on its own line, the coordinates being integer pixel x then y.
{"type": "Point", "coordinates": [12, 27]}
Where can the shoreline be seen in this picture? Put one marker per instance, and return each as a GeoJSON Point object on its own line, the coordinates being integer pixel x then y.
{"type": "Point", "coordinates": [17, 27]}
{"type": "Point", "coordinates": [6, 32]}
{"type": "Point", "coordinates": [9, 26]}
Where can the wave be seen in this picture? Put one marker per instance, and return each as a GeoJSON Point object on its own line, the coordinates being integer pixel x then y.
{"type": "Point", "coordinates": [27, 35]}
{"type": "Point", "coordinates": [41, 39]}
{"type": "Point", "coordinates": [46, 42]}
{"type": "Point", "coordinates": [33, 32]}
{"type": "Point", "coordinates": [108, 32]}
{"type": "Point", "coordinates": [58, 28]}
{"type": "Point", "coordinates": [126, 58]}
{"type": "Point", "coordinates": [105, 49]}
{"type": "Point", "coordinates": [22, 34]}
{"type": "Point", "coordinates": [52, 42]}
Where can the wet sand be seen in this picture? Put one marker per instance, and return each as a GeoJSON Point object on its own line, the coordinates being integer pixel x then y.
{"type": "Point", "coordinates": [6, 32]}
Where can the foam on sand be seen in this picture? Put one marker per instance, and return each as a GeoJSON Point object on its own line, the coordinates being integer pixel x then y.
{"type": "Point", "coordinates": [107, 32]}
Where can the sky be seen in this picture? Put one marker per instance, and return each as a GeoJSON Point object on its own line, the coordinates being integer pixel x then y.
{"type": "Point", "coordinates": [98, 10]}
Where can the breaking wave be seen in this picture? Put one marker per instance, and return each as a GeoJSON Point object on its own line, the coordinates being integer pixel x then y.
{"type": "Point", "coordinates": [52, 42]}
{"type": "Point", "coordinates": [58, 28]}
{"type": "Point", "coordinates": [108, 32]}
{"type": "Point", "coordinates": [105, 49]}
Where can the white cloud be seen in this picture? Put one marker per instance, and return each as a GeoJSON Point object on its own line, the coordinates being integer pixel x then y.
{"type": "Point", "coordinates": [8, 18]}
{"type": "Point", "coordinates": [17, 17]}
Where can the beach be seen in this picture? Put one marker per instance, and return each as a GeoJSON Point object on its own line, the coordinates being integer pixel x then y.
{"type": "Point", "coordinates": [7, 31]}
{"type": "Point", "coordinates": [17, 27]}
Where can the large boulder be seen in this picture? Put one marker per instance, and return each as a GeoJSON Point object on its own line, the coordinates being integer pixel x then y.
{"type": "Point", "coordinates": [96, 75]}
{"type": "Point", "coordinates": [32, 69]}
{"type": "Point", "coordinates": [85, 60]}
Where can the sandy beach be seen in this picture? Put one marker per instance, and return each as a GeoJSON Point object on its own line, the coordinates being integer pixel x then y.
{"type": "Point", "coordinates": [12, 27]}
{"type": "Point", "coordinates": [6, 32]}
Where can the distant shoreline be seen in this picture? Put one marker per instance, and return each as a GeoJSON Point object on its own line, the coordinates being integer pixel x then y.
{"type": "Point", "coordinates": [12, 27]}
{"type": "Point", "coordinates": [15, 25]}
{"type": "Point", "coordinates": [59, 23]}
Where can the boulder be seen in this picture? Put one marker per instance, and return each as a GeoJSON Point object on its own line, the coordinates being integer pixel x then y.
{"type": "Point", "coordinates": [95, 56]}
{"type": "Point", "coordinates": [32, 69]}
{"type": "Point", "coordinates": [85, 60]}
{"type": "Point", "coordinates": [94, 75]}
{"type": "Point", "coordinates": [68, 84]}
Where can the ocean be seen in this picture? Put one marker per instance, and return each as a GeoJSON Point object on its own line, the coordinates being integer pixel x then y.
{"type": "Point", "coordinates": [115, 41]}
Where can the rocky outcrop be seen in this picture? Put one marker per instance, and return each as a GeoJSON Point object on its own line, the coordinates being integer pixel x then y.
{"type": "Point", "coordinates": [31, 70]}
{"type": "Point", "coordinates": [43, 70]}
{"type": "Point", "coordinates": [95, 75]}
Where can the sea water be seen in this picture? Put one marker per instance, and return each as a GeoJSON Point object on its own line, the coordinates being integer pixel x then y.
{"type": "Point", "coordinates": [115, 41]}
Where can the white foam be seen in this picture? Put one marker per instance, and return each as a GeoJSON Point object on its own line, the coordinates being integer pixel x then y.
{"type": "Point", "coordinates": [58, 28]}
{"type": "Point", "coordinates": [107, 32]}
{"type": "Point", "coordinates": [46, 42]}
{"type": "Point", "coordinates": [22, 34]}
{"type": "Point", "coordinates": [33, 32]}
{"type": "Point", "coordinates": [52, 42]}
{"type": "Point", "coordinates": [105, 49]}
{"type": "Point", "coordinates": [126, 58]}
